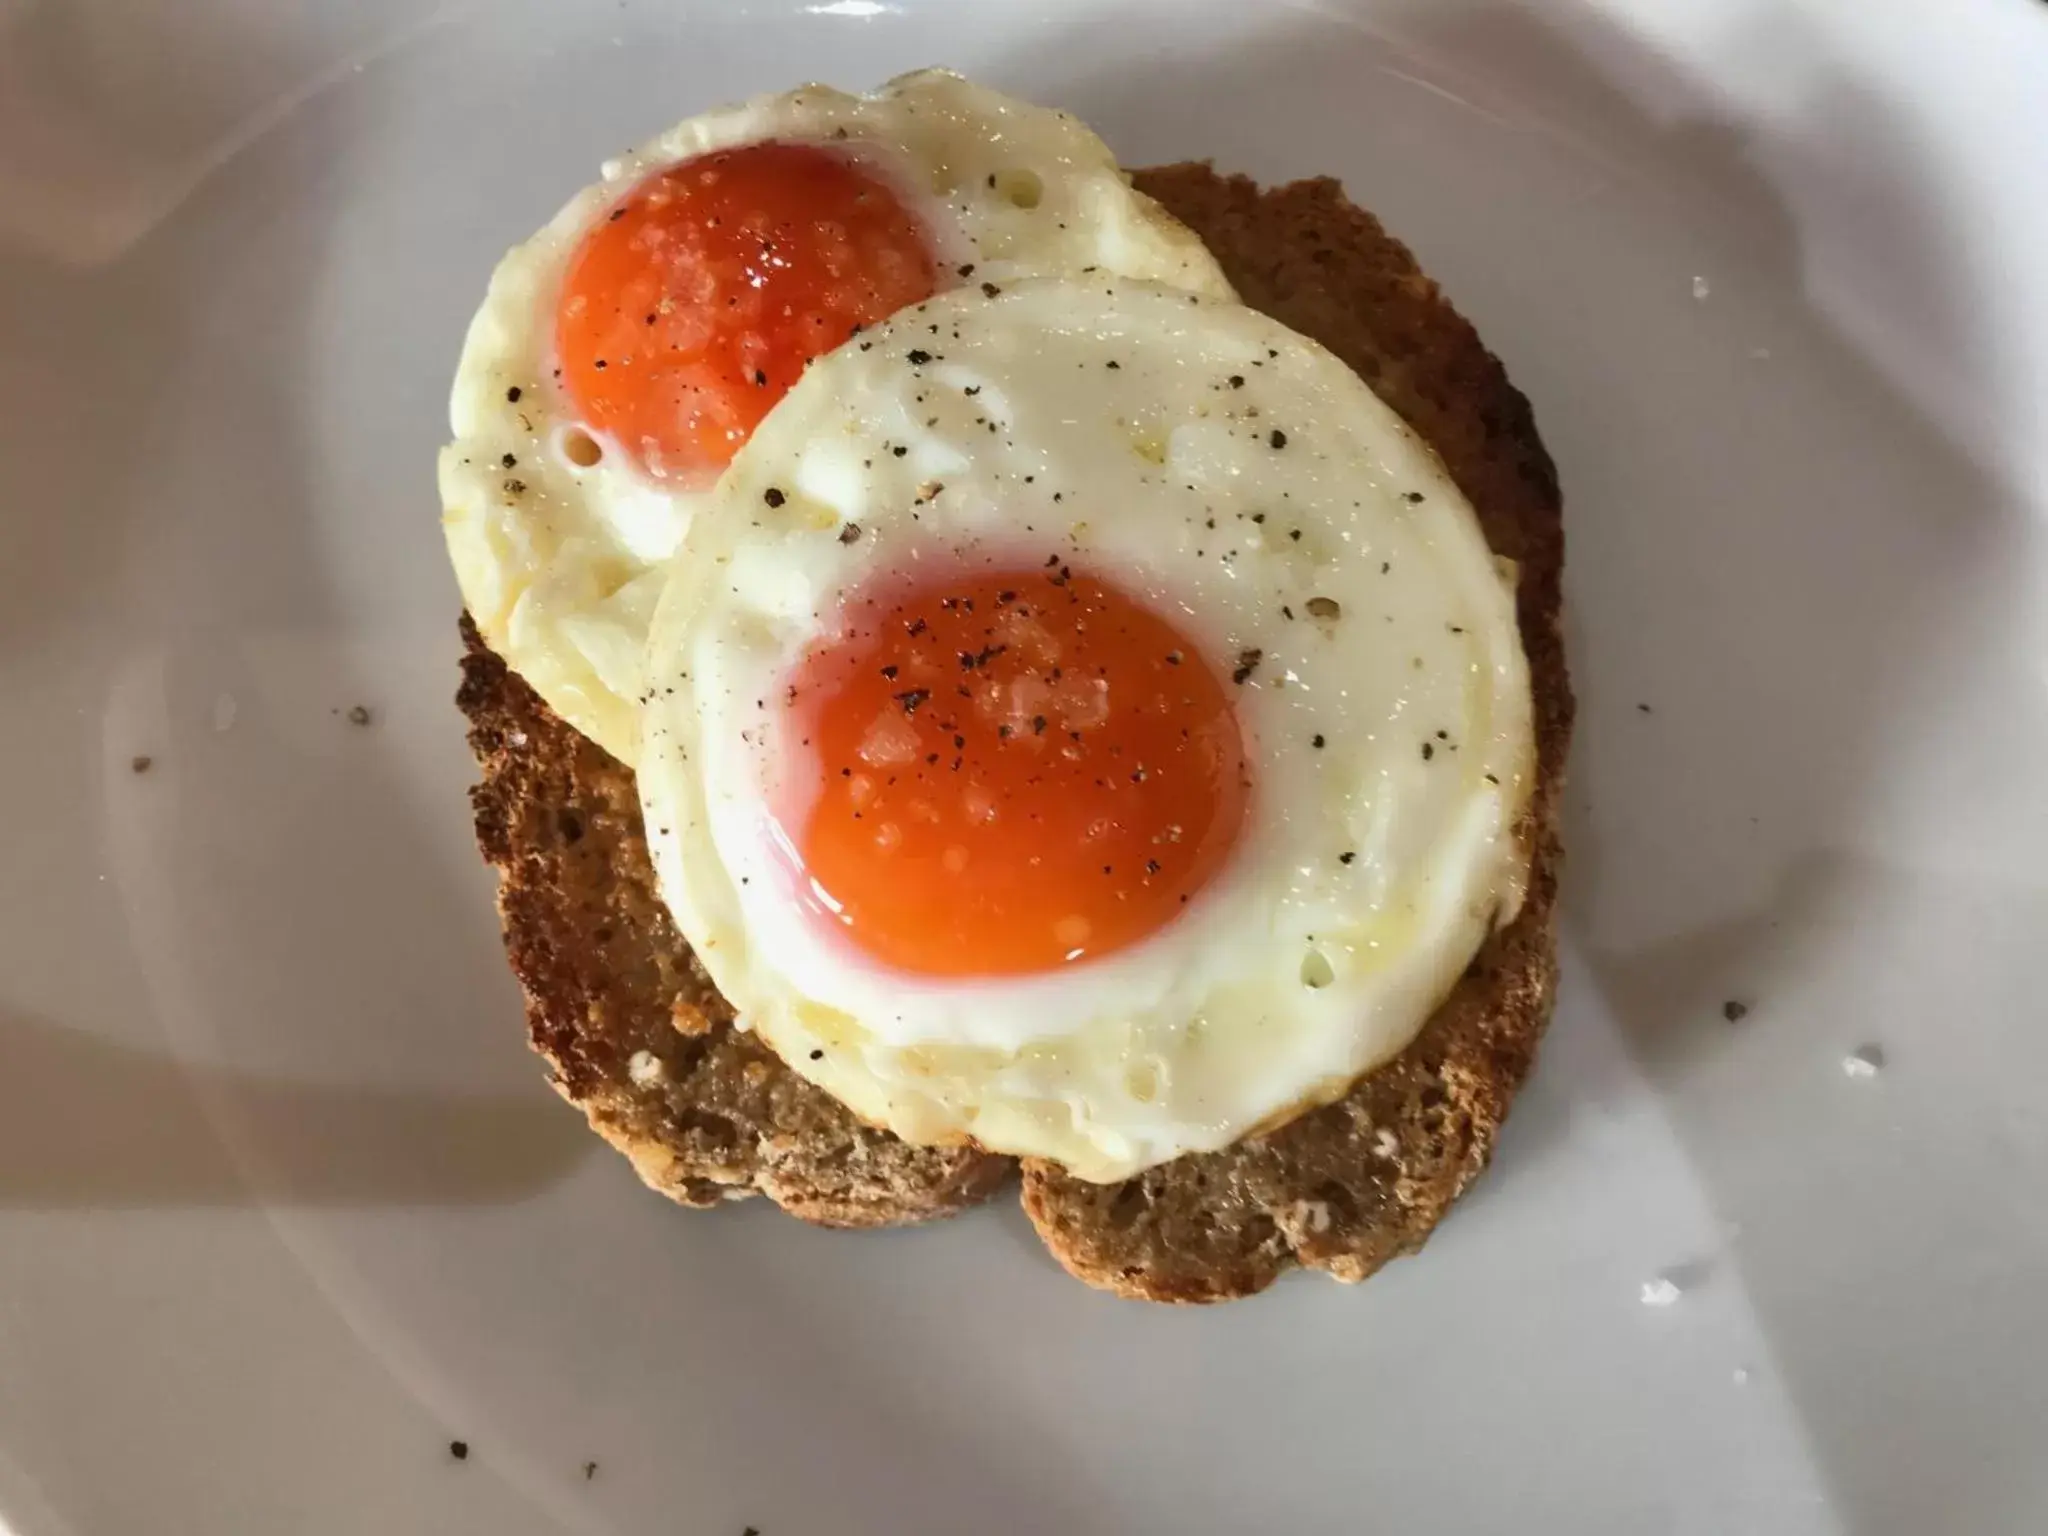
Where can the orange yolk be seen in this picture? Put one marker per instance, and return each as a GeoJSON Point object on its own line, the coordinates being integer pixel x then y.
{"type": "Point", "coordinates": [1018, 770]}
{"type": "Point", "coordinates": [690, 309]}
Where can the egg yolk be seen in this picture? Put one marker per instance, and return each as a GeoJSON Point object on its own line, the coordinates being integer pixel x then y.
{"type": "Point", "coordinates": [694, 304]}
{"type": "Point", "coordinates": [1017, 771]}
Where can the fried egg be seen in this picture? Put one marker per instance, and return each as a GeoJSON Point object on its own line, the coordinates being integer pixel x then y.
{"type": "Point", "coordinates": [1086, 721]}
{"type": "Point", "coordinates": [627, 350]}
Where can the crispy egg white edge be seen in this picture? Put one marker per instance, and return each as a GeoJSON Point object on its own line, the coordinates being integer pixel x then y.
{"type": "Point", "coordinates": [1208, 1029]}
{"type": "Point", "coordinates": [560, 565]}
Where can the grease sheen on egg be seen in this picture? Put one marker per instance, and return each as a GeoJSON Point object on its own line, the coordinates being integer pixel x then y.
{"type": "Point", "coordinates": [560, 504]}
{"type": "Point", "coordinates": [1228, 474]}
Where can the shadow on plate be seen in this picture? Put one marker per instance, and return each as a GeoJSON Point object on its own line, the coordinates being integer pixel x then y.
{"type": "Point", "coordinates": [102, 1125]}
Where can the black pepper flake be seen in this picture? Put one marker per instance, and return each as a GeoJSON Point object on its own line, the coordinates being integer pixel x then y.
{"type": "Point", "coordinates": [817, 1055]}
{"type": "Point", "coordinates": [918, 357]}
{"type": "Point", "coordinates": [899, 450]}
{"type": "Point", "coordinates": [459, 1449]}
{"type": "Point", "coordinates": [912, 698]}
{"type": "Point", "coordinates": [1413, 498]}
{"type": "Point", "coordinates": [1491, 779]}
{"type": "Point", "coordinates": [1734, 1011]}
{"type": "Point", "coordinates": [1247, 664]}
{"type": "Point", "coordinates": [513, 394]}
{"type": "Point", "coordinates": [967, 270]}
{"type": "Point", "coordinates": [1151, 866]}
{"type": "Point", "coordinates": [515, 487]}
{"type": "Point", "coordinates": [141, 764]}
{"type": "Point", "coordinates": [358, 714]}
{"type": "Point", "coordinates": [1037, 726]}
{"type": "Point", "coordinates": [509, 461]}
{"type": "Point", "coordinates": [773, 496]}
{"type": "Point", "coordinates": [1237, 381]}
{"type": "Point", "coordinates": [1644, 708]}
{"type": "Point", "coordinates": [990, 290]}
{"type": "Point", "coordinates": [600, 363]}
{"type": "Point", "coordinates": [1347, 857]}
{"type": "Point", "coordinates": [1173, 658]}
{"type": "Point", "coordinates": [1113, 363]}
{"type": "Point", "coordinates": [589, 1470]}
{"type": "Point", "coordinates": [1428, 750]}
{"type": "Point", "coordinates": [1294, 534]}
{"type": "Point", "coordinates": [760, 379]}
{"type": "Point", "coordinates": [1316, 740]}
{"type": "Point", "coordinates": [849, 533]}
{"type": "Point", "coordinates": [1286, 612]}
{"type": "Point", "coordinates": [889, 673]}
{"type": "Point", "coordinates": [1278, 438]}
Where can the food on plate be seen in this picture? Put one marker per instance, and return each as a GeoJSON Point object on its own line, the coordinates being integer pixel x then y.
{"type": "Point", "coordinates": [625, 352]}
{"type": "Point", "coordinates": [1256, 987]}
{"type": "Point", "coordinates": [1087, 721]}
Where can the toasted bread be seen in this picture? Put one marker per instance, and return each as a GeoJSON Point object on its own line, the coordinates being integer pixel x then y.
{"type": "Point", "coordinates": [633, 1032]}
{"type": "Point", "coordinates": [636, 1035]}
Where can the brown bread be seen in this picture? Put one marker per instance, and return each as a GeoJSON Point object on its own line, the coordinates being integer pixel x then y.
{"type": "Point", "coordinates": [710, 1114]}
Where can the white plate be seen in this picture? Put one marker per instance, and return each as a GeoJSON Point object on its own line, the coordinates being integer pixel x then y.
{"type": "Point", "coordinates": [284, 1206]}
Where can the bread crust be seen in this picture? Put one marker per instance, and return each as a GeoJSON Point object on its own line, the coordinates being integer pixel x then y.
{"type": "Point", "coordinates": [1346, 1187]}
{"type": "Point", "coordinates": [637, 1037]}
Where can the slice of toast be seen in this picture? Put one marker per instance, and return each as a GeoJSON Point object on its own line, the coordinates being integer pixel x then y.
{"type": "Point", "coordinates": [635, 1034]}
{"type": "Point", "coordinates": [633, 1031]}
{"type": "Point", "coordinates": [1347, 1187]}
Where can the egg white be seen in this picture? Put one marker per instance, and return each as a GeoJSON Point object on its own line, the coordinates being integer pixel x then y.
{"type": "Point", "coordinates": [559, 563]}
{"type": "Point", "coordinates": [1239, 478]}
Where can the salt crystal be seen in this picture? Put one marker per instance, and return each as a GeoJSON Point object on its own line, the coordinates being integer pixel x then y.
{"type": "Point", "coordinates": [1660, 1292]}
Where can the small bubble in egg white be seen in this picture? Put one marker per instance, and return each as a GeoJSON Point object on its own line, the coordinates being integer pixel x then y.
{"type": "Point", "coordinates": [1865, 1062]}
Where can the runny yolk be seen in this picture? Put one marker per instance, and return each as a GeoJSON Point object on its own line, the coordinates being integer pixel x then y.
{"type": "Point", "coordinates": [1019, 770]}
{"type": "Point", "coordinates": [694, 304]}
